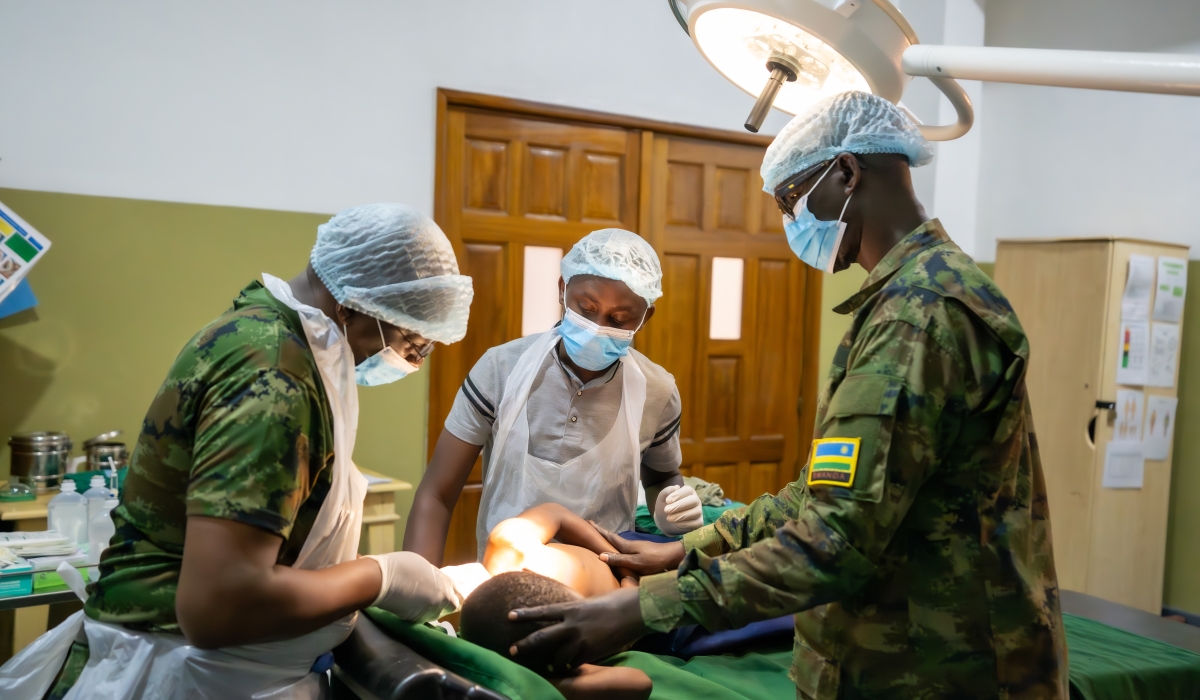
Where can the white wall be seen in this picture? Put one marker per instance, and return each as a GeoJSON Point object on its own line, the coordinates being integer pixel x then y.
{"type": "Point", "coordinates": [1063, 162]}
{"type": "Point", "coordinates": [313, 106]}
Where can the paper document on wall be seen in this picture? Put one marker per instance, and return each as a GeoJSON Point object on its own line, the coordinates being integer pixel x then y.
{"type": "Point", "coordinates": [1133, 353]}
{"type": "Point", "coordinates": [1128, 425]}
{"type": "Point", "coordinates": [1135, 302]}
{"type": "Point", "coordinates": [1124, 466]}
{"type": "Point", "coordinates": [1164, 348]}
{"type": "Point", "coordinates": [1170, 290]}
{"type": "Point", "coordinates": [1160, 427]}
{"type": "Point", "coordinates": [21, 247]}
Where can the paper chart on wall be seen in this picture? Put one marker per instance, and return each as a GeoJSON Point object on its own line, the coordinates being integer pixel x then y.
{"type": "Point", "coordinates": [1170, 290]}
{"type": "Point", "coordinates": [1124, 466]}
{"type": "Point", "coordinates": [21, 247]}
{"type": "Point", "coordinates": [1164, 348]}
{"type": "Point", "coordinates": [1135, 302]}
{"type": "Point", "coordinates": [1128, 425]}
{"type": "Point", "coordinates": [1160, 427]}
{"type": "Point", "coordinates": [1133, 353]}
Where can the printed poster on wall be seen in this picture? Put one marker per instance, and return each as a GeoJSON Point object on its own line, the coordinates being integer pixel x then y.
{"type": "Point", "coordinates": [1160, 426]}
{"type": "Point", "coordinates": [1124, 466]}
{"type": "Point", "coordinates": [1128, 425]}
{"type": "Point", "coordinates": [21, 247]}
{"type": "Point", "coordinates": [1139, 286]}
{"type": "Point", "coordinates": [1164, 348]}
{"type": "Point", "coordinates": [1170, 290]}
{"type": "Point", "coordinates": [1133, 353]}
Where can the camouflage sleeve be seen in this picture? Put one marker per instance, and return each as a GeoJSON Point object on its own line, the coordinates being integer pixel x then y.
{"type": "Point", "coordinates": [741, 527]}
{"type": "Point", "coordinates": [250, 459]}
{"type": "Point", "coordinates": [897, 398]}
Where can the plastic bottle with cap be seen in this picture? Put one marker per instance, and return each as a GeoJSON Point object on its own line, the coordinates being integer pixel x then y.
{"type": "Point", "coordinates": [68, 513]}
{"type": "Point", "coordinates": [101, 530]}
{"type": "Point", "coordinates": [96, 495]}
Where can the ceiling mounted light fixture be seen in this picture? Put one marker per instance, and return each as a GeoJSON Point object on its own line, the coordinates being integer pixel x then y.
{"type": "Point", "coordinates": [792, 53]}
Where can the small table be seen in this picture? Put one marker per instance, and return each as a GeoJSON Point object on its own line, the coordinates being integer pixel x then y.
{"type": "Point", "coordinates": [25, 618]}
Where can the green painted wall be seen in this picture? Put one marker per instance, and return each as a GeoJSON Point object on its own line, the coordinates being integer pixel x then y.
{"type": "Point", "coordinates": [1181, 588]}
{"type": "Point", "coordinates": [125, 285]}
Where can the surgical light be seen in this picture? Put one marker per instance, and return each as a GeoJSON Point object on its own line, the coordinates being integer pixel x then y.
{"type": "Point", "coordinates": [792, 53]}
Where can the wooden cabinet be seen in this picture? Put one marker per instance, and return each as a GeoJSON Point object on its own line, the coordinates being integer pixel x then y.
{"type": "Point", "coordinates": [1109, 543]}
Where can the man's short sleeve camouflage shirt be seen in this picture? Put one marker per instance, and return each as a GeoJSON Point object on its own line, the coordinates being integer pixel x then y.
{"type": "Point", "coordinates": [240, 430]}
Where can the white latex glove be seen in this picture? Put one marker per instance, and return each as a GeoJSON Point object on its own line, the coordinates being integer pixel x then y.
{"type": "Point", "coordinates": [677, 510]}
{"type": "Point", "coordinates": [466, 577]}
{"type": "Point", "coordinates": [413, 588]}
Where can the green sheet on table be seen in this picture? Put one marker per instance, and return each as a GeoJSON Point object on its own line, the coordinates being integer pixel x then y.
{"type": "Point", "coordinates": [1111, 664]}
{"type": "Point", "coordinates": [643, 520]}
{"type": "Point", "coordinates": [487, 668]}
{"type": "Point", "coordinates": [1105, 664]}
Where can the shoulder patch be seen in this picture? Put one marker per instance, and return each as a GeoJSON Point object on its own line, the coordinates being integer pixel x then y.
{"type": "Point", "coordinates": [834, 462]}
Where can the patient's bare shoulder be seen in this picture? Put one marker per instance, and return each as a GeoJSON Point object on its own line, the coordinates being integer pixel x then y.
{"type": "Point", "coordinates": [597, 578]}
{"type": "Point", "coordinates": [604, 682]}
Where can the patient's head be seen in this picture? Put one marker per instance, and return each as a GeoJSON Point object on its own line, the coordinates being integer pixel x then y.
{"type": "Point", "coordinates": [485, 620]}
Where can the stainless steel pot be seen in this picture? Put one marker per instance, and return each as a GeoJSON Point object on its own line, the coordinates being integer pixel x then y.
{"type": "Point", "coordinates": [40, 458]}
{"type": "Point", "coordinates": [105, 453]}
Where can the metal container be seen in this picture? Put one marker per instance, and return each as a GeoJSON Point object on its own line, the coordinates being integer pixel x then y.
{"type": "Point", "coordinates": [105, 453]}
{"type": "Point", "coordinates": [40, 458]}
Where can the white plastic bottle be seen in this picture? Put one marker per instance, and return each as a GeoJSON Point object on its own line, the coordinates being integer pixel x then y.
{"type": "Point", "coordinates": [96, 496]}
{"type": "Point", "coordinates": [68, 513]}
{"type": "Point", "coordinates": [101, 531]}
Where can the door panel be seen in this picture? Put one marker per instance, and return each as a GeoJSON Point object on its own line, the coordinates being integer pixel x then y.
{"type": "Point", "coordinates": [742, 424]}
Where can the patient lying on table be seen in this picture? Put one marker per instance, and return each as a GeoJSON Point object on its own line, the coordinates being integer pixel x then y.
{"type": "Point", "coordinates": [529, 570]}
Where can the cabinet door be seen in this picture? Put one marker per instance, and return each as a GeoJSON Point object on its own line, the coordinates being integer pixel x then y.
{"type": "Point", "coordinates": [1128, 538]}
{"type": "Point", "coordinates": [1060, 294]}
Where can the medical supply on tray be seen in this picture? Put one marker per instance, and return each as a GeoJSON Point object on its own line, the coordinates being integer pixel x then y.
{"type": "Point", "coordinates": [40, 458]}
{"type": "Point", "coordinates": [27, 576]}
{"type": "Point", "coordinates": [16, 490]}
{"type": "Point", "coordinates": [96, 495]}
{"type": "Point", "coordinates": [101, 530]}
{"type": "Point", "coordinates": [37, 544]}
{"type": "Point", "coordinates": [68, 513]}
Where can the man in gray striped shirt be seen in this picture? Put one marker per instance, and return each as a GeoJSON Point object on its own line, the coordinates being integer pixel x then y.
{"type": "Point", "coordinates": [572, 401]}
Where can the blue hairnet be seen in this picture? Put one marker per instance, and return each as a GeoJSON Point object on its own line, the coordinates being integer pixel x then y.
{"type": "Point", "coordinates": [616, 254]}
{"type": "Point", "coordinates": [393, 263]}
{"type": "Point", "coordinates": [849, 122]}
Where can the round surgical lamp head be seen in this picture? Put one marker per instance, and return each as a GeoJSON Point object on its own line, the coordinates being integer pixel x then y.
{"type": "Point", "coordinates": [791, 53]}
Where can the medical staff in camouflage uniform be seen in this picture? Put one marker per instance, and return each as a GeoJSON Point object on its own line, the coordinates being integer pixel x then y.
{"type": "Point", "coordinates": [915, 548]}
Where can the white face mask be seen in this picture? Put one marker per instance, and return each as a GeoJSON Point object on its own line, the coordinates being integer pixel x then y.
{"type": "Point", "coordinates": [384, 367]}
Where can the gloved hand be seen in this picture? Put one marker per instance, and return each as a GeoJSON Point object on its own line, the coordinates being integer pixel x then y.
{"type": "Point", "coordinates": [677, 510]}
{"type": "Point", "coordinates": [466, 577]}
{"type": "Point", "coordinates": [413, 589]}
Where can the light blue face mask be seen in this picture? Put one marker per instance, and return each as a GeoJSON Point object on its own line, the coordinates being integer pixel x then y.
{"type": "Point", "coordinates": [592, 346]}
{"type": "Point", "coordinates": [814, 241]}
{"type": "Point", "coordinates": [384, 367]}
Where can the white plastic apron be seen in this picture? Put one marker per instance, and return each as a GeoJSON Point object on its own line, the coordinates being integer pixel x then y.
{"type": "Point", "coordinates": [127, 664]}
{"type": "Point", "coordinates": [600, 484]}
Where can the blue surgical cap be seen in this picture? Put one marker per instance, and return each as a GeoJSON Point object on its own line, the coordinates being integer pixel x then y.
{"type": "Point", "coordinates": [393, 263]}
{"type": "Point", "coordinates": [616, 254]}
{"type": "Point", "coordinates": [849, 122]}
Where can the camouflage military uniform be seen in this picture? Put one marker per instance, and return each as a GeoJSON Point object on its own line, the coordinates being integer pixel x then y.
{"type": "Point", "coordinates": [929, 574]}
{"type": "Point", "coordinates": [240, 430]}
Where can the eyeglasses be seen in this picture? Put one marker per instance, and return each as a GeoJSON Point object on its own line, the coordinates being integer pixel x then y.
{"type": "Point", "coordinates": [789, 191]}
{"type": "Point", "coordinates": [423, 350]}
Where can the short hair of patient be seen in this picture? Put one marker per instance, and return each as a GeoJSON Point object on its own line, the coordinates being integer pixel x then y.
{"type": "Point", "coordinates": [484, 619]}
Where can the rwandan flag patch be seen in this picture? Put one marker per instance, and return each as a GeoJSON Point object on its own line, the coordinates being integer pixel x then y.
{"type": "Point", "coordinates": [834, 461]}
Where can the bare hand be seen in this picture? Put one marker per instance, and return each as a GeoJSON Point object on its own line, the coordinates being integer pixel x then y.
{"type": "Point", "coordinates": [639, 556]}
{"type": "Point", "coordinates": [586, 630]}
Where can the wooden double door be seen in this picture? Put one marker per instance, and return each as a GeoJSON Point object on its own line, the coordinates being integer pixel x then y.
{"type": "Point", "coordinates": [737, 324]}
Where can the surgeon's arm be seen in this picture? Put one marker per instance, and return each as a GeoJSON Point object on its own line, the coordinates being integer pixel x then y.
{"type": "Point", "coordinates": [231, 590]}
{"type": "Point", "coordinates": [447, 473]}
{"type": "Point", "coordinates": [903, 398]}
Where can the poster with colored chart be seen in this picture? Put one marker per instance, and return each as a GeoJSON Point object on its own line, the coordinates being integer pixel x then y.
{"type": "Point", "coordinates": [21, 247]}
{"type": "Point", "coordinates": [1133, 352]}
